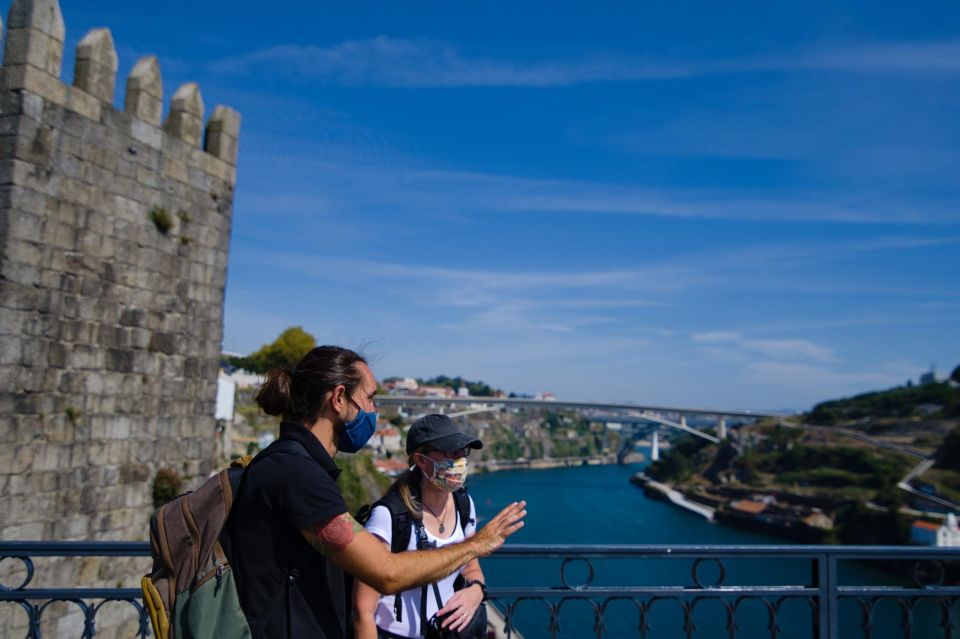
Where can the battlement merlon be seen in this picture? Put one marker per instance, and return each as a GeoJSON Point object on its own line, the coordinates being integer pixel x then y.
{"type": "Point", "coordinates": [96, 67]}
{"type": "Point", "coordinates": [32, 62]}
{"type": "Point", "coordinates": [144, 99]}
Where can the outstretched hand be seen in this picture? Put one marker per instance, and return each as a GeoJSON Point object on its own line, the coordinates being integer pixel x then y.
{"type": "Point", "coordinates": [505, 523]}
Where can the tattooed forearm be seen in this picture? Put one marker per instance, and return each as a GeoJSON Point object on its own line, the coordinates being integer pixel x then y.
{"type": "Point", "coordinates": [333, 535]}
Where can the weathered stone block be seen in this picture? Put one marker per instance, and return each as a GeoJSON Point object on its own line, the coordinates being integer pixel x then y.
{"type": "Point", "coordinates": [96, 67]}
{"type": "Point", "coordinates": [119, 428]}
{"type": "Point", "coordinates": [42, 83]}
{"type": "Point", "coordinates": [16, 459]}
{"type": "Point", "coordinates": [185, 120]}
{"type": "Point", "coordinates": [26, 46]}
{"type": "Point", "coordinates": [9, 430]}
{"type": "Point", "coordinates": [73, 527]}
{"type": "Point", "coordinates": [144, 97]}
{"type": "Point", "coordinates": [119, 360]}
{"type": "Point", "coordinates": [87, 105]}
{"type": "Point", "coordinates": [43, 16]}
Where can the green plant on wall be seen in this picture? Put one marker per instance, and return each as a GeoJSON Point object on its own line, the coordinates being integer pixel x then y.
{"type": "Point", "coordinates": [167, 484]}
{"type": "Point", "coordinates": [161, 219]}
{"type": "Point", "coordinates": [73, 415]}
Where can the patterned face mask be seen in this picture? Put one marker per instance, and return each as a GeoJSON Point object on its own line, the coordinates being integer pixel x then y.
{"type": "Point", "coordinates": [448, 474]}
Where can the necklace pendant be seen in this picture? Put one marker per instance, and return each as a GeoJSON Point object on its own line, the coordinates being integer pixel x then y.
{"type": "Point", "coordinates": [442, 528]}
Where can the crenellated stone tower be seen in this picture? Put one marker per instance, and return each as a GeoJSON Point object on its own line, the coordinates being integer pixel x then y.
{"type": "Point", "coordinates": [114, 232]}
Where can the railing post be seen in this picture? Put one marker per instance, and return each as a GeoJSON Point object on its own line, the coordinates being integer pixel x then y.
{"type": "Point", "coordinates": [825, 580]}
{"type": "Point", "coordinates": [820, 579]}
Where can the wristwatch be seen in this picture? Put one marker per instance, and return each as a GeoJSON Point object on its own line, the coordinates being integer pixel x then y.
{"type": "Point", "coordinates": [477, 582]}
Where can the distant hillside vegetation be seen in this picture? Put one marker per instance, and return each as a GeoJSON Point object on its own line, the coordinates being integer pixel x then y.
{"type": "Point", "coordinates": [477, 389]}
{"type": "Point", "coordinates": [948, 455]}
{"type": "Point", "coordinates": [932, 400]}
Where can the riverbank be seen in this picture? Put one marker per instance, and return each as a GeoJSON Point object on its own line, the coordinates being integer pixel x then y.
{"type": "Point", "coordinates": [493, 466]}
{"type": "Point", "coordinates": [655, 490]}
{"type": "Point", "coordinates": [747, 510]}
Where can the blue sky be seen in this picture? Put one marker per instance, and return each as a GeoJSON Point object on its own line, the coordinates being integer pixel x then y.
{"type": "Point", "coordinates": [713, 204]}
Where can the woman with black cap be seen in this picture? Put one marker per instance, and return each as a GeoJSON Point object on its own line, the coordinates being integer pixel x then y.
{"type": "Point", "coordinates": [430, 505]}
{"type": "Point", "coordinates": [289, 533]}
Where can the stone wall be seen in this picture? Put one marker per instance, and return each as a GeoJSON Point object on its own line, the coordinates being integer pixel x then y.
{"type": "Point", "coordinates": [114, 232]}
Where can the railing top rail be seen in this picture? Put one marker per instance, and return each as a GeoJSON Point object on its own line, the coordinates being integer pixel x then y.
{"type": "Point", "coordinates": [718, 550]}
{"type": "Point", "coordinates": [140, 548]}
{"type": "Point", "coordinates": [74, 548]}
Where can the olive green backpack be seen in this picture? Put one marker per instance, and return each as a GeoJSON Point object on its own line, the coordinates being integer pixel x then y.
{"type": "Point", "coordinates": [191, 593]}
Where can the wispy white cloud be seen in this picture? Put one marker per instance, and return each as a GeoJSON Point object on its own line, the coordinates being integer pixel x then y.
{"type": "Point", "coordinates": [376, 181]}
{"type": "Point", "coordinates": [715, 337]}
{"type": "Point", "coordinates": [823, 382]}
{"type": "Point", "coordinates": [394, 62]}
{"type": "Point", "coordinates": [789, 348]}
{"type": "Point", "coordinates": [732, 345]}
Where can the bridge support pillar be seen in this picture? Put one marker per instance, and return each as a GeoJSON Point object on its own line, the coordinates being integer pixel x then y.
{"type": "Point", "coordinates": [722, 427]}
{"type": "Point", "coordinates": [655, 446]}
{"type": "Point", "coordinates": [683, 420]}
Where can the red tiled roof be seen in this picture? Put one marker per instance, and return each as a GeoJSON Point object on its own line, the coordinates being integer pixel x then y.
{"type": "Point", "coordinates": [749, 506]}
{"type": "Point", "coordinates": [390, 464]}
{"type": "Point", "coordinates": [926, 525]}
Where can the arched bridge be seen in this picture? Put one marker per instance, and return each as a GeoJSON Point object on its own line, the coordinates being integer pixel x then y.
{"type": "Point", "coordinates": [651, 417]}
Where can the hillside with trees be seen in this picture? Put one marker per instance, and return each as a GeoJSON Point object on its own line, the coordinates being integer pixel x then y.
{"type": "Point", "coordinates": [936, 400]}
{"type": "Point", "coordinates": [831, 475]}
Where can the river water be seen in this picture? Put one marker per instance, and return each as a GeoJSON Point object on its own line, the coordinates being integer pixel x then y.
{"type": "Point", "coordinates": [598, 505]}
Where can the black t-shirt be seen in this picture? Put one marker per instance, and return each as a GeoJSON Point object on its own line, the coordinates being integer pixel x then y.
{"type": "Point", "coordinates": [286, 588]}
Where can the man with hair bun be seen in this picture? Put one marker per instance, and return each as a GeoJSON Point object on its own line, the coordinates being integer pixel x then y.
{"type": "Point", "coordinates": [289, 536]}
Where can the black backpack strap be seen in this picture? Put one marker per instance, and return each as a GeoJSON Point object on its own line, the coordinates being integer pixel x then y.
{"type": "Point", "coordinates": [285, 445]}
{"type": "Point", "coordinates": [400, 523]}
{"type": "Point", "coordinates": [237, 476]}
{"type": "Point", "coordinates": [462, 501]}
{"type": "Point", "coordinates": [423, 542]}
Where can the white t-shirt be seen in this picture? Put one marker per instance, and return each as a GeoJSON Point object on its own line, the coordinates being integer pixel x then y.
{"type": "Point", "coordinates": [380, 525]}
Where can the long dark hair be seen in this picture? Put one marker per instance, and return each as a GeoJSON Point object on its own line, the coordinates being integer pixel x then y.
{"type": "Point", "coordinates": [297, 394]}
{"type": "Point", "coordinates": [407, 486]}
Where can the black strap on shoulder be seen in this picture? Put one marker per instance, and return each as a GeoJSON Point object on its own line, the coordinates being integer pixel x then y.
{"type": "Point", "coordinates": [292, 446]}
{"type": "Point", "coordinates": [462, 501]}
{"type": "Point", "coordinates": [423, 542]}
{"type": "Point", "coordinates": [400, 523]}
{"type": "Point", "coordinates": [400, 519]}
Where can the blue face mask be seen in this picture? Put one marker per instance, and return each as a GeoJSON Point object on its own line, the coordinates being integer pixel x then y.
{"type": "Point", "coordinates": [358, 430]}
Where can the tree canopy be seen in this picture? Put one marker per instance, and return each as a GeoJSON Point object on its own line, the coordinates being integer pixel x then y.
{"type": "Point", "coordinates": [902, 401]}
{"type": "Point", "coordinates": [948, 456]}
{"type": "Point", "coordinates": [286, 350]}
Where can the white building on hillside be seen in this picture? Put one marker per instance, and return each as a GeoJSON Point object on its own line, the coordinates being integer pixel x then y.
{"type": "Point", "coordinates": [948, 536]}
{"type": "Point", "coordinates": [945, 535]}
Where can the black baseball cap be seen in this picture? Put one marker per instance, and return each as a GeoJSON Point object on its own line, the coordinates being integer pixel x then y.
{"type": "Point", "coordinates": [439, 432]}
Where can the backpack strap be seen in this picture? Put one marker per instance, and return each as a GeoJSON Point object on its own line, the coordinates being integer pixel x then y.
{"type": "Point", "coordinates": [237, 476]}
{"type": "Point", "coordinates": [422, 543]}
{"type": "Point", "coordinates": [400, 523]}
{"type": "Point", "coordinates": [462, 501]}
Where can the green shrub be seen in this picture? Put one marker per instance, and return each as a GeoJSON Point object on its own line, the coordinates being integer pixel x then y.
{"type": "Point", "coordinates": [359, 481]}
{"type": "Point", "coordinates": [73, 415]}
{"type": "Point", "coordinates": [161, 219]}
{"type": "Point", "coordinates": [167, 484]}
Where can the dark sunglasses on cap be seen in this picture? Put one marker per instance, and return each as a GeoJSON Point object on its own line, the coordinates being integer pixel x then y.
{"type": "Point", "coordinates": [455, 454]}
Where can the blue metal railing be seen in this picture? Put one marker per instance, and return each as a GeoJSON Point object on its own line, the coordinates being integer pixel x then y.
{"type": "Point", "coordinates": [709, 591]}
